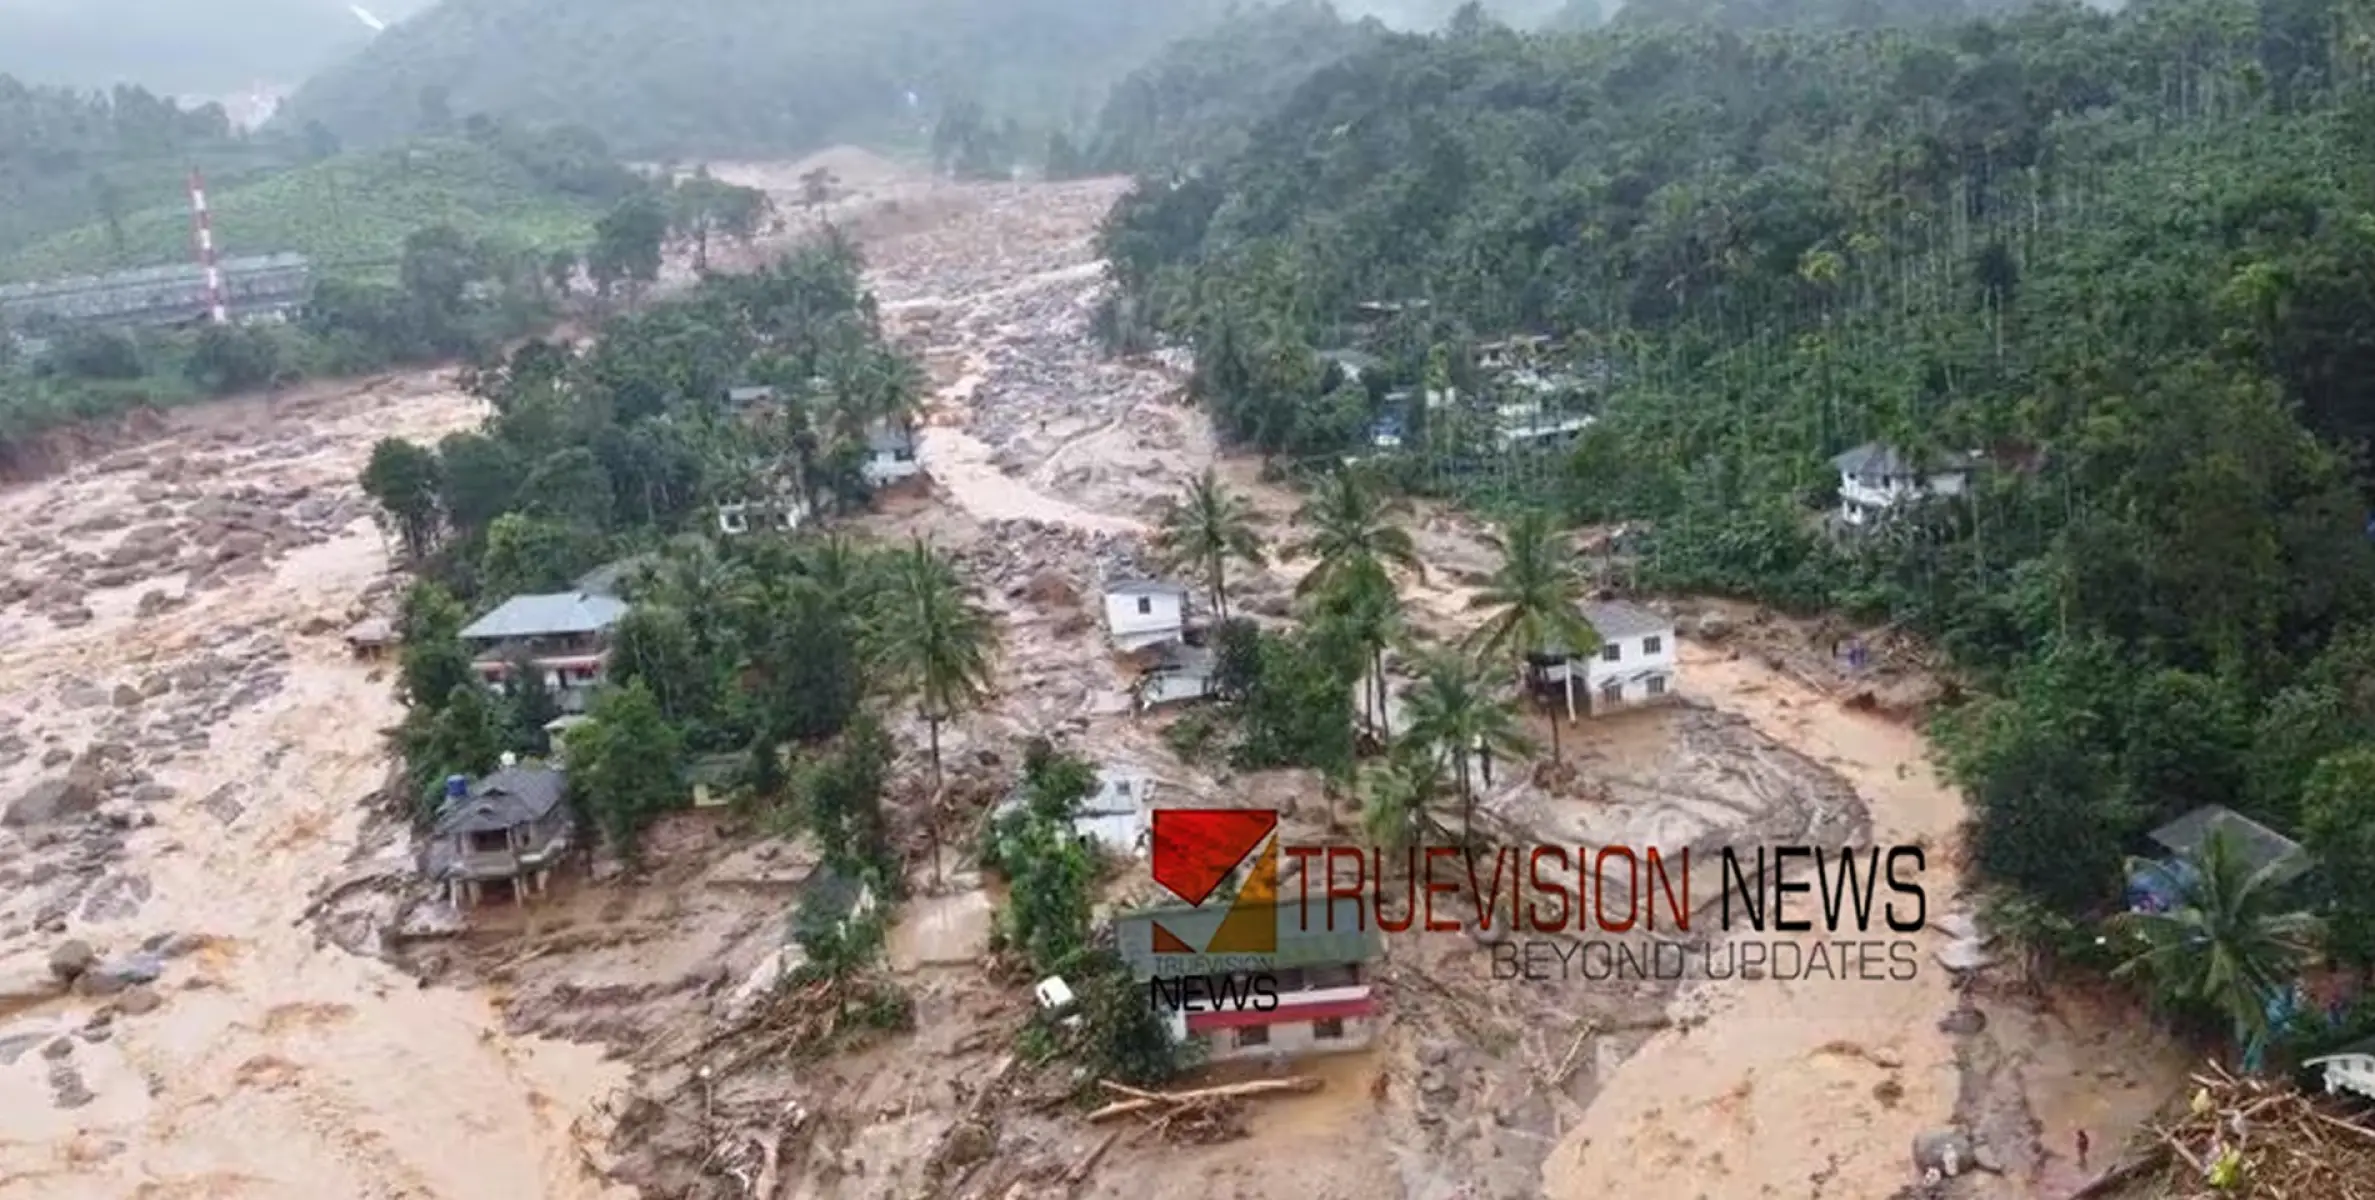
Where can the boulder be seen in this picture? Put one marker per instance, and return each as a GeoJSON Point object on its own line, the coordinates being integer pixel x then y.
{"type": "Point", "coordinates": [72, 795]}
{"type": "Point", "coordinates": [71, 959]}
{"type": "Point", "coordinates": [139, 1000]}
{"type": "Point", "coordinates": [1946, 1151]}
{"type": "Point", "coordinates": [110, 979]}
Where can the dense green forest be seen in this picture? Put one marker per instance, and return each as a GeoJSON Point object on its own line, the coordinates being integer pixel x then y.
{"type": "Point", "coordinates": [1200, 98]}
{"type": "Point", "coordinates": [2125, 258]}
{"type": "Point", "coordinates": [207, 50]}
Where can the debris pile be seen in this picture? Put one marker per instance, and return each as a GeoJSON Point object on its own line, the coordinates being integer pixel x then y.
{"type": "Point", "coordinates": [2255, 1137]}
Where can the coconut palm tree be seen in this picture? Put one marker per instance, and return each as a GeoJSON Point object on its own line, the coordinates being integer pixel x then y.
{"type": "Point", "coordinates": [2229, 944]}
{"type": "Point", "coordinates": [1398, 797]}
{"type": "Point", "coordinates": [1453, 709]}
{"type": "Point", "coordinates": [1352, 526]}
{"type": "Point", "coordinates": [1360, 612]}
{"type": "Point", "coordinates": [1207, 528]}
{"type": "Point", "coordinates": [1534, 599]}
{"type": "Point", "coordinates": [934, 644]}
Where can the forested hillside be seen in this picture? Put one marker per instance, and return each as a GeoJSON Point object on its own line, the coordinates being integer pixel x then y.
{"type": "Point", "coordinates": [1199, 99]}
{"type": "Point", "coordinates": [68, 157]}
{"type": "Point", "coordinates": [2125, 258]}
{"type": "Point", "coordinates": [349, 209]}
{"type": "Point", "coordinates": [744, 75]}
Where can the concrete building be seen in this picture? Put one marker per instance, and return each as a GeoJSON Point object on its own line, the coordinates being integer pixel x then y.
{"type": "Point", "coordinates": [1875, 478]}
{"type": "Point", "coordinates": [505, 831]}
{"type": "Point", "coordinates": [565, 635]}
{"type": "Point", "coordinates": [1634, 665]}
{"type": "Point", "coordinates": [1179, 674]}
{"type": "Point", "coordinates": [891, 455]}
{"type": "Point", "coordinates": [1320, 970]}
{"type": "Point", "coordinates": [1141, 614]}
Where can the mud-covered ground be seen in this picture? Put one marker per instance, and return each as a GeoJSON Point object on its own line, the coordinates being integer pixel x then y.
{"type": "Point", "coordinates": [186, 749]}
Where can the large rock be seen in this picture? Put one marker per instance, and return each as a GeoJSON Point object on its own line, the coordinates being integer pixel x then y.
{"type": "Point", "coordinates": [71, 959]}
{"type": "Point", "coordinates": [113, 978]}
{"type": "Point", "coordinates": [70, 796]}
{"type": "Point", "coordinates": [1946, 1151]}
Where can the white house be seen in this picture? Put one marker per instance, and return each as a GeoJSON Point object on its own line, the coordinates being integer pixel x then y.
{"type": "Point", "coordinates": [1180, 673]}
{"type": "Point", "coordinates": [738, 517]}
{"type": "Point", "coordinates": [1141, 614]}
{"type": "Point", "coordinates": [890, 455]}
{"type": "Point", "coordinates": [1874, 478]}
{"type": "Point", "coordinates": [1635, 663]}
{"type": "Point", "coordinates": [2350, 1069]}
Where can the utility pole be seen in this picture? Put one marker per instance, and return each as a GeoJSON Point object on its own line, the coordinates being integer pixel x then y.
{"type": "Point", "coordinates": [215, 309]}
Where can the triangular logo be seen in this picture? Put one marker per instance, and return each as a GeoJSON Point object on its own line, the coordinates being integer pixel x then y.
{"type": "Point", "coordinates": [1167, 942]}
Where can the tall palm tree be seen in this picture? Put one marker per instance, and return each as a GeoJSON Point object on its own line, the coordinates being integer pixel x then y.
{"type": "Point", "coordinates": [1352, 526]}
{"type": "Point", "coordinates": [1453, 709]}
{"type": "Point", "coordinates": [2229, 944]}
{"type": "Point", "coordinates": [1398, 797]}
{"type": "Point", "coordinates": [1361, 612]}
{"type": "Point", "coordinates": [1534, 597]}
{"type": "Point", "coordinates": [935, 645]}
{"type": "Point", "coordinates": [1206, 528]}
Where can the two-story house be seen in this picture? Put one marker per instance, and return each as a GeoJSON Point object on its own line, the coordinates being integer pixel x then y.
{"type": "Point", "coordinates": [1874, 478]}
{"type": "Point", "coordinates": [508, 829]}
{"type": "Point", "coordinates": [1320, 965]}
{"type": "Point", "coordinates": [565, 635]}
{"type": "Point", "coordinates": [1634, 665]}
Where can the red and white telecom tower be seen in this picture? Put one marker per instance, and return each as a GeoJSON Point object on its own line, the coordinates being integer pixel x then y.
{"type": "Point", "coordinates": [215, 310]}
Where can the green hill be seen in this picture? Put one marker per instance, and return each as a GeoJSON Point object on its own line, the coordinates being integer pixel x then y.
{"type": "Point", "coordinates": [355, 208]}
{"type": "Point", "coordinates": [658, 76]}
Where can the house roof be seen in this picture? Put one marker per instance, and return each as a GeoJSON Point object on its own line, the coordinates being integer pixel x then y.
{"type": "Point", "coordinates": [1874, 459]}
{"type": "Point", "coordinates": [537, 616]}
{"type": "Point", "coordinates": [749, 394]}
{"type": "Point", "coordinates": [1141, 587]}
{"type": "Point", "coordinates": [889, 437]}
{"type": "Point", "coordinates": [1614, 619]}
{"type": "Point", "coordinates": [607, 579]}
{"type": "Point", "coordinates": [511, 797]}
{"type": "Point", "coordinates": [2259, 844]}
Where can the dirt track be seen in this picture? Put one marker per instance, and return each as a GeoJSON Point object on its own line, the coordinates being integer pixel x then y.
{"type": "Point", "coordinates": [266, 1069]}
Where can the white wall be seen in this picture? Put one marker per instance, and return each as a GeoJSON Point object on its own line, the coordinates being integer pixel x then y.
{"type": "Point", "coordinates": [1857, 494]}
{"type": "Point", "coordinates": [1172, 687]}
{"type": "Point", "coordinates": [1634, 654]}
{"type": "Point", "coordinates": [1290, 1039]}
{"type": "Point", "coordinates": [1144, 614]}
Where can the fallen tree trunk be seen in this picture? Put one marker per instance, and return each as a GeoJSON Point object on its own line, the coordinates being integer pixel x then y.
{"type": "Point", "coordinates": [1143, 1101]}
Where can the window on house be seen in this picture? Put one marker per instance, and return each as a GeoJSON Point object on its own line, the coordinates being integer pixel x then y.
{"type": "Point", "coordinates": [1253, 1035]}
{"type": "Point", "coordinates": [1612, 693]}
{"type": "Point", "coordinates": [1611, 652]}
{"type": "Point", "coordinates": [1653, 644]}
{"type": "Point", "coordinates": [1328, 1029]}
{"type": "Point", "coordinates": [1146, 604]}
{"type": "Point", "coordinates": [1657, 685]}
{"type": "Point", "coordinates": [903, 454]}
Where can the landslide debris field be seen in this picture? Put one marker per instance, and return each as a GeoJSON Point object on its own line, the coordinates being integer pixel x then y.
{"type": "Point", "coordinates": [215, 980]}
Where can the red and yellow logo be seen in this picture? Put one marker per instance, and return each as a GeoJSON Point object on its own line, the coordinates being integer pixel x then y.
{"type": "Point", "coordinates": [1195, 851]}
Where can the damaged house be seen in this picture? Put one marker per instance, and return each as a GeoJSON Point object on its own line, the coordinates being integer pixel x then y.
{"type": "Point", "coordinates": [504, 832]}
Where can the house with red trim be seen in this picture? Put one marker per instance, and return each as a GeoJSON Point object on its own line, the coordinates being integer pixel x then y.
{"type": "Point", "coordinates": [565, 636]}
{"type": "Point", "coordinates": [1309, 993]}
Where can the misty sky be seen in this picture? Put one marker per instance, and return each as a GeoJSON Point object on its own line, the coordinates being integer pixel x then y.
{"type": "Point", "coordinates": [201, 47]}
